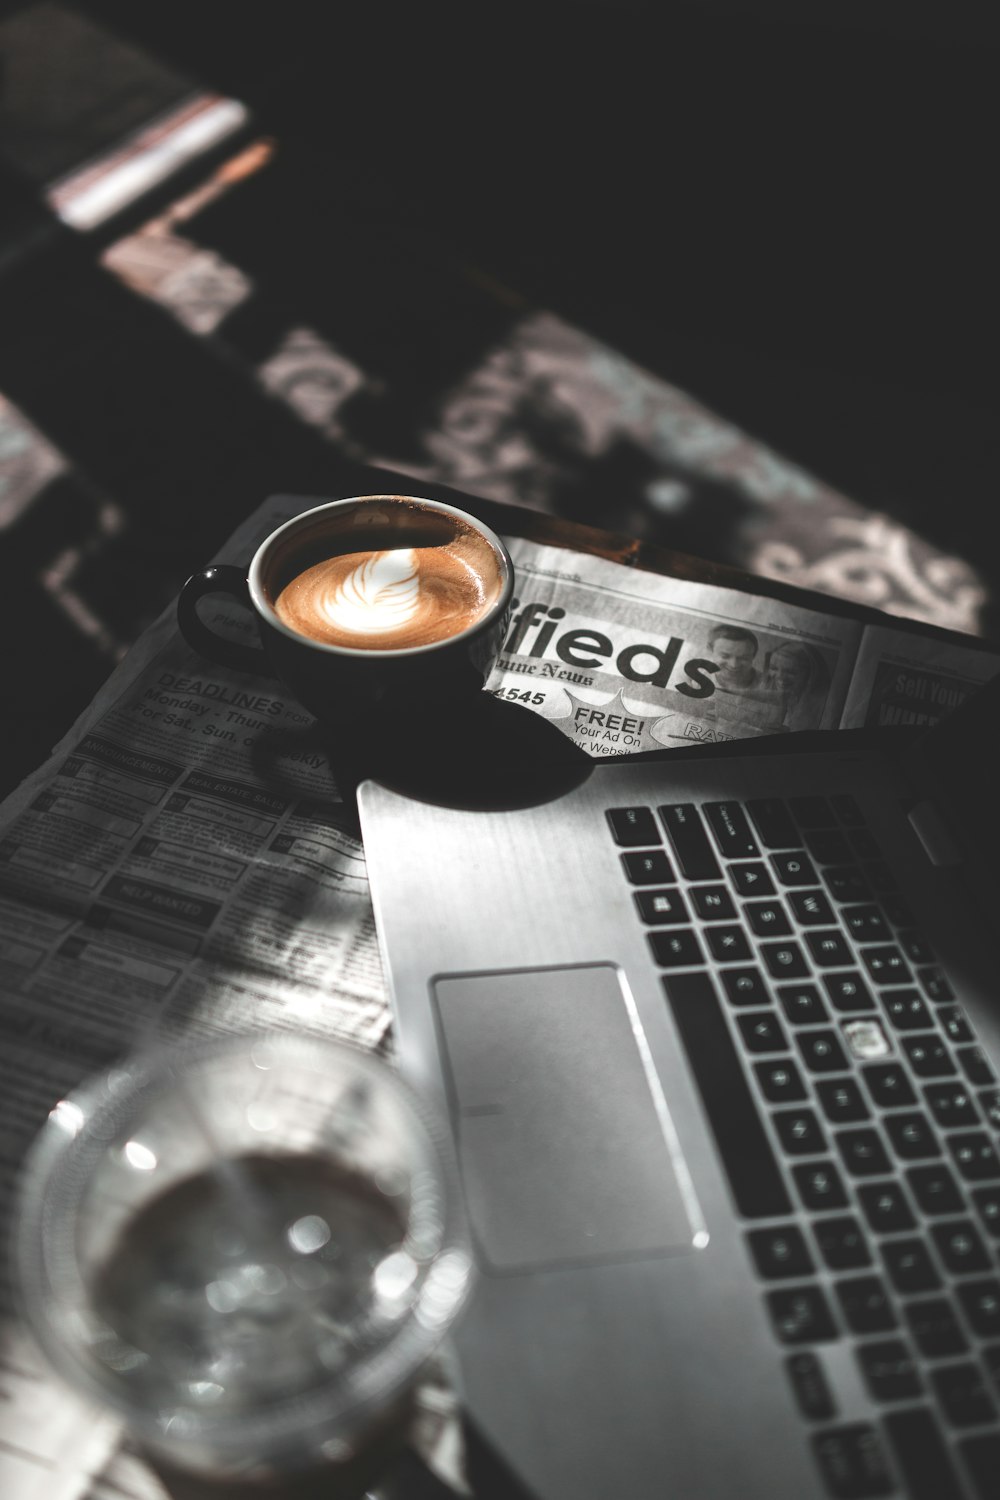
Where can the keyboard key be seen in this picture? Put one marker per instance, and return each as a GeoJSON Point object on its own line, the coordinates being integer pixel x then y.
{"type": "Point", "coordinates": [676, 950]}
{"type": "Point", "coordinates": [916, 947]}
{"type": "Point", "coordinates": [991, 1359]}
{"type": "Point", "coordinates": [886, 1208]}
{"type": "Point", "coordinates": [956, 1027]}
{"type": "Point", "coordinates": [801, 1315]}
{"type": "Point", "coordinates": [819, 1185]}
{"type": "Point", "coordinates": [747, 1156]}
{"type": "Point", "coordinates": [866, 1305]}
{"type": "Point", "coordinates": [935, 1328]}
{"type": "Point", "coordinates": [951, 1104]}
{"type": "Point", "coordinates": [982, 1460]}
{"type": "Point", "coordinates": [852, 1462]}
{"type": "Point", "coordinates": [929, 1057]}
{"type": "Point", "coordinates": [713, 903]}
{"type": "Point", "coordinates": [780, 1082]}
{"type": "Point", "coordinates": [780, 1252]}
{"type": "Point", "coordinates": [762, 1031]}
{"type": "Point", "coordinates": [841, 1100]}
{"type": "Point", "coordinates": [922, 1455]}
{"type": "Point", "coordinates": [658, 908]}
{"type": "Point", "coordinates": [963, 1395]}
{"type": "Point", "coordinates": [911, 1136]}
{"type": "Point", "coordinates": [975, 1065]}
{"type": "Point", "coordinates": [773, 822]}
{"type": "Point", "coordinates": [731, 830]}
{"type": "Point", "coordinates": [751, 879]}
{"type": "Point", "coordinates": [889, 1370]}
{"type": "Point", "coordinates": [847, 809]}
{"type": "Point", "coordinates": [866, 924]}
{"type": "Point", "coordinates": [728, 944]}
{"type": "Point", "coordinates": [829, 949]}
{"type": "Point", "coordinates": [989, 1103]}
{"type": "Point", "coordinates": [745, 986]}
{"type": "Point", "coordinates": [799, 1132]}
{"type": "Point", "coordinates": [784, 960]}
{"type": "Point", "coordinates": [935, 985]}
{"type": "Point", "coordinates": [888, 1085]}
{"type": "Point", "coordinates": [897, 910]}
{"type": "Point", "coordinates": [633, 826]}
{"type": "Point", "coordinates": [975, 1155]}
{"type": "Point", "coordinates": [987, 1201]}
{"type": "Point", "coordinates": [907, 1011]}
{"type": "Point", "coordinates": [909, 1266]}
{"type": "Point", "coordinates": [935, 1190]}
{"type": "Point", "coordinates": [886, 964]}
{"type": "Point", "coordinates": [847, 883]}
{"type": "Point", "coordinates": [879, 877]}
{"type": "Point", "coordinates": [864, 844]}
{"type": "Point", "coordinates": [828, 846]}
{"type": "Point", "coordinates": [866, 1038]}
{"type": "Point", "coordinates": [651, 867]}
{"type": "Point", "coordinates": [812, 812]}
{"type": "Point", "coordinates": [794, 869]}
{"type": "Point", "coordinates": [960, 1246]}
{"type": "Point", "coordinates": [809, 1386]}
{"type": "Point", "coordinates": [802, 1004]}
{"type": "Point", "coordinates": [690, 841]}
{"type": "Point", "coordinates": [841, 1243]}
{"type": "Point", "coordinates": [767, 918]}
{"type": "Point", "coordinates": [848, 991]}
{"type": "Point", "coordinates": [812, 908]}
{"type": "Point", "coordinates": [862, 1153]}
{"type": "Point", "coordinates": [821, 1051]}
{"type": "Point", "coordinates": [981, 1304]}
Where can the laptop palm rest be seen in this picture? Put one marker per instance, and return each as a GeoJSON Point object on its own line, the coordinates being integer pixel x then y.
{"type": "Point", "coordinates": [566, 1150]}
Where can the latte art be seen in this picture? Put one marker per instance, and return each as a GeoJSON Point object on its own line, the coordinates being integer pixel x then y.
{"type": "Point", "coordinates": [382, 593]}
{"type": "Point", "coordinates": [388, 599]}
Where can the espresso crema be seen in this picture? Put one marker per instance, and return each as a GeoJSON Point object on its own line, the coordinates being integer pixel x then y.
{"type": "Point", "coordinates": [393, 598]}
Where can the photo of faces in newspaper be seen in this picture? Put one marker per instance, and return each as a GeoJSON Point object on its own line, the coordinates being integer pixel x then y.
{"type": "Point", "coordinates": [620, 674]}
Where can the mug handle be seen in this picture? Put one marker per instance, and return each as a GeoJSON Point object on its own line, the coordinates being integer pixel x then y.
{"type": "Point", "coordinates": [218, 579]}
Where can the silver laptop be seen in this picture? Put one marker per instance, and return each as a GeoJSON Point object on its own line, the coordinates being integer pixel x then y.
{"type": "Point", "coordinates": [714, 1035]}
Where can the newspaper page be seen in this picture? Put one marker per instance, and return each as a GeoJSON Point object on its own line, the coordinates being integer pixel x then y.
{"type": "Point", "coordinates": [182, 865]}
{"type": "Point", "coordinates": [624, 661]}
{"type": "Point", "coordinates": [901, 679]}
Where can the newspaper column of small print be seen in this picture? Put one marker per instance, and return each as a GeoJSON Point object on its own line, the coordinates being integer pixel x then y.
{"type": "Point", "coordinates": [180, 865]}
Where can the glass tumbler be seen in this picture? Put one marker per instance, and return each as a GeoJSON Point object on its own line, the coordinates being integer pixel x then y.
{"type": "Point", "coordinates": [248, 1249]}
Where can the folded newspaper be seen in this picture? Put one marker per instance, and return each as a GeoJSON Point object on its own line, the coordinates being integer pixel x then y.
{"type": "Point", "coordinates": [182, 864]}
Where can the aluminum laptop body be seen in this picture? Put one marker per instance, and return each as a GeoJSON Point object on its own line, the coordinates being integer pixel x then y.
{"type": "Point", "coordinates": [736, 1224]}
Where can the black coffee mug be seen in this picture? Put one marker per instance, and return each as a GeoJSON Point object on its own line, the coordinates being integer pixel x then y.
{"type": "Point", "coordinates": [324, 676]}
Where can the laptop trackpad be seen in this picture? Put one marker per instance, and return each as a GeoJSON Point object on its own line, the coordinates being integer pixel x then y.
{"type": "Point", "coordinates": [565, 1148]}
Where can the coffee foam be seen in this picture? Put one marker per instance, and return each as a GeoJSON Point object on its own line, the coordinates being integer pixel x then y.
{"type": "Point", "coordinates": [389, 599]}
{"type": "Point", "coordinates": [382, 593]}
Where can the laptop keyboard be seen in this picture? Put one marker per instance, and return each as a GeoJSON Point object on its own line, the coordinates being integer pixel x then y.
{"type": "Point", "coordinates": [842, 1080]}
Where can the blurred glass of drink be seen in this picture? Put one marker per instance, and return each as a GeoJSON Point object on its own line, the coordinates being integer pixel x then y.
{"type": "Point", "coordinates": [247, 1249]}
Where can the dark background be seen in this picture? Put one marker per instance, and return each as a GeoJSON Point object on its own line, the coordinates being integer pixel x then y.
{"type": "Point", "coordinates": [811, 183]}
{"type": "Point", "coordinates": [784, 209]}
{"type": "Point", "coordinates": [763, 200]}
